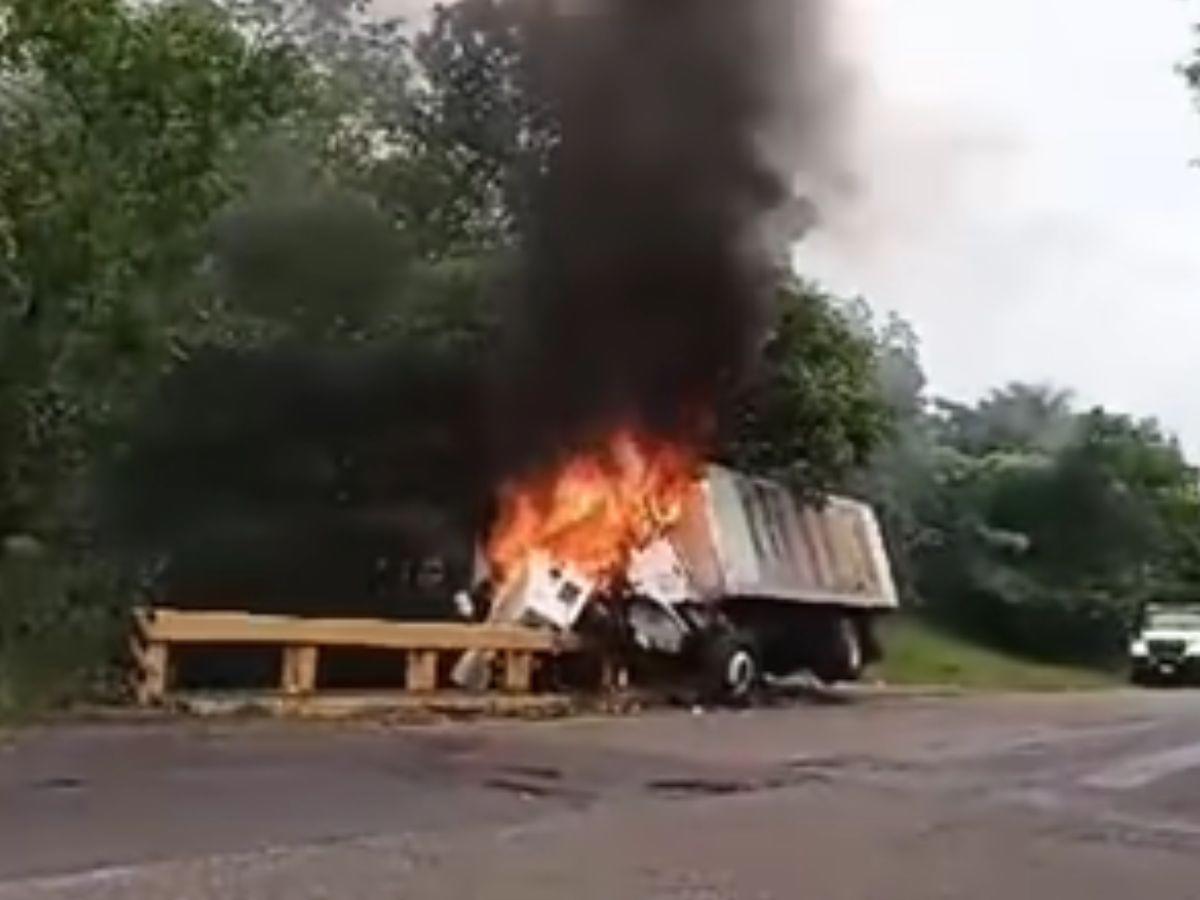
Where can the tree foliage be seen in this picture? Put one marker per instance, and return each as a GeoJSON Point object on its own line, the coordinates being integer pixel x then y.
{"type": "Point", "coordinates": [1036, 526]}
{"type": "Point", "coordinates": [124, 128]}
{"type": "Point", "coordinates": [485, 134]}
{"type": "Point", "coordinates": [813, 411]}
{"type": "Point", "coordinates": [118, 128]}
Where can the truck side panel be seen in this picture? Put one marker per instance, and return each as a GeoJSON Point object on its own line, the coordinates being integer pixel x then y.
{"type": "Point", "coordinates": [750, 537]}
{"type": "Point", "coordinates": [695, 541]}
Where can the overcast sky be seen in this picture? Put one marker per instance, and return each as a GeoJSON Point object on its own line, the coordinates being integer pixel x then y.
{"type": "Point", "coordinates": [1028, 202]}
{"type": "Point", "coordinates": [1026, 199]}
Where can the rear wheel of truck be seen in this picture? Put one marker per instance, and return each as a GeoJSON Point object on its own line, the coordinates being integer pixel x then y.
{"type": "Point", "coordinates": [842, 658]}
{"type": "Point", "coordinates": [868, 639]}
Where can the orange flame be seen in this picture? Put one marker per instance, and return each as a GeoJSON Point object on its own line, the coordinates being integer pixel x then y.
{"type": "Point", "coordinates": [593, 510]}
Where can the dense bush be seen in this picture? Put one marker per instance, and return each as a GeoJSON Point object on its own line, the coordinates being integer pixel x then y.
{"type": "Point", "coordinates": [1036, 527]}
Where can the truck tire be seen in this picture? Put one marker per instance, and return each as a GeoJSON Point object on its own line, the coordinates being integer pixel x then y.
{"type": "Point", "coordinates": [731, 668]}
{"type": "Point", "coordinates": [842, 658]}
{"type": "Point", "coordinates": [868, 638]}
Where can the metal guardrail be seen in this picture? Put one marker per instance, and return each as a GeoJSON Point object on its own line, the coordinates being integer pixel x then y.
{"type": "Point", "coordinates": [157, 631]}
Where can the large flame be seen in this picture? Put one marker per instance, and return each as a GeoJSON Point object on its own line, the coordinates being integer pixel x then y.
{"type": "Point", "coordinates": [594, 509]}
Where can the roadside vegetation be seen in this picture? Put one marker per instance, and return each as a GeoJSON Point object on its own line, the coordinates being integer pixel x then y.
{"type": "Point", "coordinates": [201, 195]}
{"type": "Point", "coordinates": [921, 654]}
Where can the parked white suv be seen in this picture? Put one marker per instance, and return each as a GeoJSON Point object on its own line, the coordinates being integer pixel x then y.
{"type": "Point", "coordinates": [1166, 645]}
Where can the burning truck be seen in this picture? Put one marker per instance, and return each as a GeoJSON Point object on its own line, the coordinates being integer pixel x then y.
{"type": "Point", "coordinates": [694, 143]}
{"type": "Point", "coordinates": [735, 578]}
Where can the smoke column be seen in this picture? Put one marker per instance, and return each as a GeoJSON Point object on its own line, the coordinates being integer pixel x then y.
{"type": "Point", "coordinates": [684, 125]}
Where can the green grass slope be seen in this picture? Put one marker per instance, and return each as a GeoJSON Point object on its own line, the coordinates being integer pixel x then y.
{"type": "Point", "coordinates": [920, 654]}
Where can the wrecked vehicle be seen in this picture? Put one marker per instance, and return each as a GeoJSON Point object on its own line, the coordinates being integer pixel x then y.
{"type": "Point", "coordinates": [748, 580]}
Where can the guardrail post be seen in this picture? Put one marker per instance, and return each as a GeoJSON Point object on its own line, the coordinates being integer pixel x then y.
{"type": "Point", "coordinates": [518, 671]}
{"type": "Point", "coordinates": [422, 670]}
{"type": "Point", "coordinates": [299, 670]}
{"type": "Point", "coordinates": [154, 663]}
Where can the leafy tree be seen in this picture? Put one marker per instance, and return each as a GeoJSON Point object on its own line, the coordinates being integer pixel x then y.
{"type": "Point", "coordinates": [900, 477]}
{"type": "Point", "coordinates": [484, 134]}
{"type": "Point", "coordinates": [1019, 417]}
{"type": "Point", "coordinates": [117, 135]}
{"type": "Point", "coordinates": [1052, 525]}
{"type": "Point", "coordinates": [1024, 521]}
{"type": "Point", "coordinates": [813, 411]}
{"type": "Point", "coordinates": [123, 130]}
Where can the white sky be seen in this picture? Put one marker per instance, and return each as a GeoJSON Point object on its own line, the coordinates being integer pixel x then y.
{"type": "Point", "coordinates": [1026, 199]}
{"type": "Point", "coordinates": [1028, 203]}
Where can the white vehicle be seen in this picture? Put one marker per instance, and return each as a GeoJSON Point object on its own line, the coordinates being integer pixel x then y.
{"type": "Point", "coordinates": [752, 580]}
{"type": "Point", "coordinates": [1166, 645]}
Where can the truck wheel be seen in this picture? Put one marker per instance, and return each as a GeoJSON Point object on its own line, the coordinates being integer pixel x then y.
{"type": "Point", "coordinates": [732, 668]}
{"type": "Point", "coordinates": [843, 658]}
{"type": "Point", "coordinates": [852, 658]}
{"type": "Point", "coordinates": [868, 640]}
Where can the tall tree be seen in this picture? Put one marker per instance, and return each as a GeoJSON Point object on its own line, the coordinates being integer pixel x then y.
{"type": "Point", "coordinates": [119, 129]}
{"type": "Point", "coordinates": [814, 410]}
{"type": "Point", "coordinates": [485, 133]}
{"type": "Point", "coordinates": [1054, 525]}
{"type": "Point", "coordinates": [123, 129]}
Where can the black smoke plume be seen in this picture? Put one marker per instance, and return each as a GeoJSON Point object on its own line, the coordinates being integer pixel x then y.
{"type": "Point", "coordinates": [305, 481]}
{"type": "Point", "coordinates": [650, 260]}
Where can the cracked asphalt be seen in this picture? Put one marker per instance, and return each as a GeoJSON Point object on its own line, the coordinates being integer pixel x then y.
{"type": "Point", "coordinates": [884, 796]}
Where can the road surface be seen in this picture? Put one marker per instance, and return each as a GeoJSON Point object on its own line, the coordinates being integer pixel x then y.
{"type": "Point", "coordinates": [891, 797]}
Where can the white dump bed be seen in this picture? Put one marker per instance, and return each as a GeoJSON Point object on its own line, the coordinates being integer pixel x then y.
{"type": "Point", "coordinates": [750, 537]}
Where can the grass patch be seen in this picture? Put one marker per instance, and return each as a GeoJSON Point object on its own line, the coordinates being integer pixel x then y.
{"type": "Point", "coordinates": [61, 631]}
{"type": "Point", "coordinates": [918, 653]}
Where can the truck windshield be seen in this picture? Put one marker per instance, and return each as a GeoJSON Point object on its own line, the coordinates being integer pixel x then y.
{"type": "Point", "coordinates": [1175, 621]}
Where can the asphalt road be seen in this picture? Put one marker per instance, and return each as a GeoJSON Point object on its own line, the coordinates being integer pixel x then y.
{"type": "Point", "coordinates": [1092, 796]}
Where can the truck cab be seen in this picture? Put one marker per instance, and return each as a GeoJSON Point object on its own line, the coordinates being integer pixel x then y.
{"type": "Point", "coordinates": [1165, 646]}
